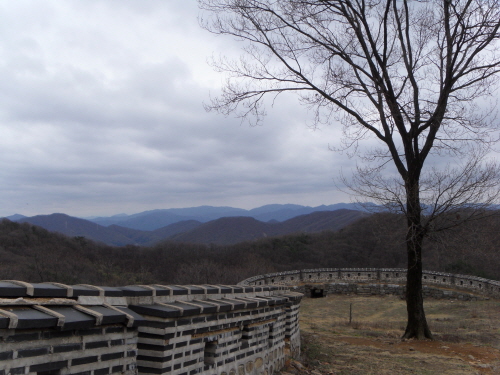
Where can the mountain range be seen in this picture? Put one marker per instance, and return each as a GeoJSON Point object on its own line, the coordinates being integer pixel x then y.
{"type": "Point", "coordinates": [203, 225]}
{"type": "Point", "coordinates": [155, 219]}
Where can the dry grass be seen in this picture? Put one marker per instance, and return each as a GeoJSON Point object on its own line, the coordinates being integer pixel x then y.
{"type": "Point", "coordinates": [467, 337]}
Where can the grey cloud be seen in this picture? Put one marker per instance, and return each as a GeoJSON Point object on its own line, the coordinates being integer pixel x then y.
{"type": "Point", "coordinates": [98, 117]}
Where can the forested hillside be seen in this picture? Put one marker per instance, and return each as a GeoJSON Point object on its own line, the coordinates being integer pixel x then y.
{"type": "Point", "coordinates": [33, 254]}
{"type": "Point", "coordinates": [222, 231]}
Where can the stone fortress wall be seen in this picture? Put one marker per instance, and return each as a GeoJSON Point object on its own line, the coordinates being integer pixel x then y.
{"type": "Point", "coordinates": [380, 281]}
{"type": "Point", "coordinates": [56, 329]}
{"type": "Point", "coordinates": [248, 329]}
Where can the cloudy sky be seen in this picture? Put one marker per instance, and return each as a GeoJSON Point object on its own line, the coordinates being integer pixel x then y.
{"type": "Point", "coordinates": [101, 112]}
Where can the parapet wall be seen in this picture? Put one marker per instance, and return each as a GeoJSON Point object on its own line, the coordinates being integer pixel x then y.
{"type": "Point", "coordinates": [391, 277]}
{"type": "Point", "coordinates": [55, 329]}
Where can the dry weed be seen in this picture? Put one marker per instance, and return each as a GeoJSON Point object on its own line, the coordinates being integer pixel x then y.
{"type": "Point", "coordinates": [361, 335]}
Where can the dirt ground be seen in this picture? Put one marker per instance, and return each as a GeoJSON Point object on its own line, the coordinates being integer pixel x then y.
{"type": "Point", "coordinates": [467, 337]}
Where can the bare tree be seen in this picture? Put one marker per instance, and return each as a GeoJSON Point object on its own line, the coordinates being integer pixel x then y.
{"type": "Point", "coordinates": [410, 74]}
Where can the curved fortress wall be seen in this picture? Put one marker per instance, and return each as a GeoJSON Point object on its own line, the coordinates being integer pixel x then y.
{"type": "Point", "coordinates": [341, 278]}
{"type": "Point", "coordinates": [55, 329]}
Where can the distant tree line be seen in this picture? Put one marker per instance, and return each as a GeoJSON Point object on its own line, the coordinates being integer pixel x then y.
{"type": "Point", "coordinates": [33, 254]}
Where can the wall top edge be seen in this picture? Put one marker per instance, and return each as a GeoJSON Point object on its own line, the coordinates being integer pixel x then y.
{"type": "Point", "coordinates": [21, 289]}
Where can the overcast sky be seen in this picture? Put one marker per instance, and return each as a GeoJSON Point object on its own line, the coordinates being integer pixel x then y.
{"type": "Point", "coordinates": [101, 112]}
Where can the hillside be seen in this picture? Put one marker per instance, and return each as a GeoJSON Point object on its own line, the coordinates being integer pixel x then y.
{"type": "Point", "coordinates": [147, 222]}
{"type": "Point", "coordinates": [227, 231]}
{"type": "Point", "coordinates": [320, 221]}
{"type": "Point", "coordinates": [34, 254]}
{"type": "Point", "coordinates": [223, 231]}
{"type": "Point", "coordinates": [73, 227]}
{"type": "Point", "coordinates": [155, 219]}
{"type": "Point", "coordinates": [179, 227]}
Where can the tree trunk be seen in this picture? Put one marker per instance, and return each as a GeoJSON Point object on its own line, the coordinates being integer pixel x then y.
{"type": "Point", "coordinates": [417, 324]}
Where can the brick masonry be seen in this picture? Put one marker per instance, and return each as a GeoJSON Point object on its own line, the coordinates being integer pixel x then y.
{"type": "Point", "coordinates": [55, 329]}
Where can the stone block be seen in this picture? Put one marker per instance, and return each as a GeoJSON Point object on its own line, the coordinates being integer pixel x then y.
{"type": "Point", "coordinates": [32, 352]}
{"type": "Point", "coordinates": [50, 366]}
{"type": "Point", "coordinates": [11, 290]}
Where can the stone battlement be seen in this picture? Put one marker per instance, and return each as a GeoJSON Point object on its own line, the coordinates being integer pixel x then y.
{"type": "Point", "coordinates": [380, 276]}
{"type": "Point", "coordinates": [56, 329]}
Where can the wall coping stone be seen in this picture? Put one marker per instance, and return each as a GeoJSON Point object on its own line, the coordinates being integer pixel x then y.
{"type": "Point", "coordinates": [63, 307]}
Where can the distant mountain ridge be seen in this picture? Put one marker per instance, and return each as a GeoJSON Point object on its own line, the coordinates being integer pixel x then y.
{"type": "Point", "coordinates": [155, 219]}
{"type": "Point", "coordinates": [222, 230]}
{"type": "Point", "coordinates": [15, 217]}
{"type": "Point", "coordinates": [232, 230]}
